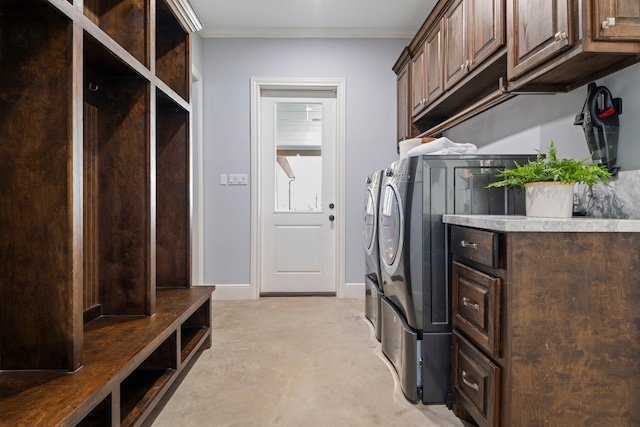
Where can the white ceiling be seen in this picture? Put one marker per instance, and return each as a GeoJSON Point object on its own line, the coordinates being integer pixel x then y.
{"type": "Point", "coordinates": [312, 18]}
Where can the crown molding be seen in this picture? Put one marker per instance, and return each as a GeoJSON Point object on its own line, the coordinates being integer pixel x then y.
{"type": "Point", "coordinates": [343, 33]}
{"type": "Point", "coordinates": [183, 10]}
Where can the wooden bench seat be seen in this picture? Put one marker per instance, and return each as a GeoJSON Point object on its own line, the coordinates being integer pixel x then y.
{"type": "Point", "coordinates": [129, 363]}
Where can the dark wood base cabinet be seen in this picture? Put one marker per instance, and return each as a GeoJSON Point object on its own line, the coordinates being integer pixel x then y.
{"type": "Point", "coordinates": [546, 328]}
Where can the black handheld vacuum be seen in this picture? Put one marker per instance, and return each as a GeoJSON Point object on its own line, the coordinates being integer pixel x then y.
{"type": "Point", "coordinates": [601, 126]}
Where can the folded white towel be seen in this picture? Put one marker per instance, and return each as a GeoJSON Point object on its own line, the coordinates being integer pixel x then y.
{"type": "Point", "coordinates": [442, 146]}
{"type": "Point", "coordinates": [407, 145]}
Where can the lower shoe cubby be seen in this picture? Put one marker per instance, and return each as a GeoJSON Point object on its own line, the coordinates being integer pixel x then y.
{"type": "Point", "coordinates": [141, 388]}
{"type": "Point", "coordinates": [100, 416]}
{"type": "Point", "coordinates": [195, 332]}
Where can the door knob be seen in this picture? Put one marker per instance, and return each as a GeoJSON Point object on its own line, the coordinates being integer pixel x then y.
{"type": "Point", "coordinates": [331, 206]}
{"type": "Point", "coordinates": [331, 217]}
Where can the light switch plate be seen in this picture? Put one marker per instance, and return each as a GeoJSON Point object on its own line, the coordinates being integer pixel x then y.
{"type": "Point", "coordinates": [223, 179]}
{"type": "Point", "coordinates": [237, 179]}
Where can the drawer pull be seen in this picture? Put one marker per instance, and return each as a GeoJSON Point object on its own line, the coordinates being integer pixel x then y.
{"type": "Point", "coordinates": [466, 244]}
{"type": "Point", "coordinates": [473, 385]}
{"type": "Point", "coordinates": [468, 303]}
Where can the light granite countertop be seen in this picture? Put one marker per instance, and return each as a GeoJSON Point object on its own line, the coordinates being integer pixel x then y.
{"type": "Point", "coordinates": [515, 223]}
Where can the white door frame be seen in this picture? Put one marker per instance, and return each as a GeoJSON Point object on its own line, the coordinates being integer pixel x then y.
{"type": "Point", "coordinates": [257, 84]}
{"type": "Point", "coordinates": [197, 181]}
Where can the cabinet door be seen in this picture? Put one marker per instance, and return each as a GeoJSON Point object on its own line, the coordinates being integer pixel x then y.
{"type": "Point", "coordinates": [485, 23]}
{"type": "Point", "coordinates": [404, 119]}
{"type": "Point", "coordinates": [617, 20]}
{"type": "Point", "coordinates": [456, 62]}
{"type": "Point", "coordinates": [475, 382]}
{"type": "Point", "coordinates": [537, 31]}
{"type": "Point", "coordinates": [433, 67]}
{"type": "Point", "coordinates": [418, 98]}
{"type": "Point", "coordinates": [476, 306]}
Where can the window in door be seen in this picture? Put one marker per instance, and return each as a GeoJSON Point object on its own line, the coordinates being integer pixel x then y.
{"type": "Point", "coordinates": [298, 183]}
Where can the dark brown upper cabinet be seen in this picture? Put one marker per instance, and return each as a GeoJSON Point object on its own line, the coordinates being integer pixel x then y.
{"type": "Point", "coordinates": [537, 32]}
{"type": "Point", "coordinates": [617, 20]}
{"type": "Point", "coordinates": [459, 58]}
{"type": "Point", "coordinates": [455, 43]}
{"type": "Point", "coordinates": [401, 69]}
{"type": "Point", "coordinates": [434, 86]}
{"type": "Point", "coordinates": [486, 29]}
{"type": "Point", "coordinates": [418, 94]}
{"type": "Point", "coordinates": [427, 73]}
{"type": "Point", "coordinates": [560, 45]}
{"type": "Point", "coordinates": [474, 30]}
{"type": "Point", "coordinates": [470, 55]}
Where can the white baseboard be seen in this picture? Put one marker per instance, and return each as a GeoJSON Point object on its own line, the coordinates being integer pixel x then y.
{"type": "Point", "coordinates": [354, 290]}
{"type": "Point", "coordinates": [240, 291]}
{"type": "Point", "coordinates": [232, 292]}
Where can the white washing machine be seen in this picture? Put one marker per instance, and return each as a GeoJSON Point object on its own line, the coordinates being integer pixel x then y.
{"type": "Point", "coordinates": [373, 289]}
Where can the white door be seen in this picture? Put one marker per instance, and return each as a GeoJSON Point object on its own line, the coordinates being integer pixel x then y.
{"type": "Point", "coordinates": [298, 174]}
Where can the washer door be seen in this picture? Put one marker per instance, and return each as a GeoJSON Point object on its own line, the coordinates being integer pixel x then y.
{"type": "Point", "coordinates": [370, 222]}
{"type": "Point", "coordinates": [391, 234]}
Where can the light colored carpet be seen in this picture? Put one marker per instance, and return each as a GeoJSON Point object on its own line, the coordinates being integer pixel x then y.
{"type": "Point", "coordinates": [294, 362]}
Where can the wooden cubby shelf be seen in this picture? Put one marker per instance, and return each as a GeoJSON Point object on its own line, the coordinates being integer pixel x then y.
{"type": "Point", "coordinates": [37, 287]}
{"type": "Point", "coordinates": [98, 315]}
{"type": "Point", "coordinates": [125, 21]}
{"type": "Point", "coordinates": [173, 209]}
{"type": "Point", "coordinates": [172, 52]}
{"type": "Point", "coordinates": [138, 370]}
{"type": "Point", "coordinates": [117, 185]}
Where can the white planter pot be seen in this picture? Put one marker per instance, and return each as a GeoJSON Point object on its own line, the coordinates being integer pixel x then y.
{"type": "Point", "coordinates": [549, 199]}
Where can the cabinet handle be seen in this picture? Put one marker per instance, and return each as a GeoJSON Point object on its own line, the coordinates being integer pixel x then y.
{"type": "Point", "coordinates": [473, 385]}
{"type": "Point", "coordinates": [468, 303]}
{"type": "Point", "coordinates": [560, 35]}
{"type": "Point", "coordinates": [466, 244]}
{"type": "Point", "coordinates": [467, 65]}
{"type": "Point", "coordinates": [610, 22]}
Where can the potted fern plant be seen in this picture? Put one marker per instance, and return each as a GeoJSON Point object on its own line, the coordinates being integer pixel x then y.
{"type": "Point", "coordinates": [548, 182]}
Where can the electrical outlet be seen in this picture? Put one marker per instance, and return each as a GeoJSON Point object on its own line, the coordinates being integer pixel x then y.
{"type": "Point", "coordinates": [237, 179]}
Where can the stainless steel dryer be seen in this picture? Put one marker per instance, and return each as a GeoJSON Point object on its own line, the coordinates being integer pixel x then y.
{"type": "Point", "coordinates": [414, 260]}
{"type": "Point", "coordinates": [373, 289]}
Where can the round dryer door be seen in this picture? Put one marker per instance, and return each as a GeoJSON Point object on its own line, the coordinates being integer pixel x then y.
{"type": "Point", "coordinates": [369, 229]}
{"type": "Point", "coordinates": [390, 233]}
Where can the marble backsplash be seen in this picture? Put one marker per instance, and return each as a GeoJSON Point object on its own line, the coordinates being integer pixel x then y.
{"type": "Point", "coordinates": [619, 199]}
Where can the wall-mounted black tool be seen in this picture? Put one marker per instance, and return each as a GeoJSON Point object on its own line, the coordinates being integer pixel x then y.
{"type": "Point", "coordinates": [601, 126]}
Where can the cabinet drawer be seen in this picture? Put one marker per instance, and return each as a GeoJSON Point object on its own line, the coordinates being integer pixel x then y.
{"type": "Point", "coordinates": [476, 306]}
{"type": "Point", "coordinates": [477, 245]}
{"type": "Point", "coordinates": [476, 382]}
